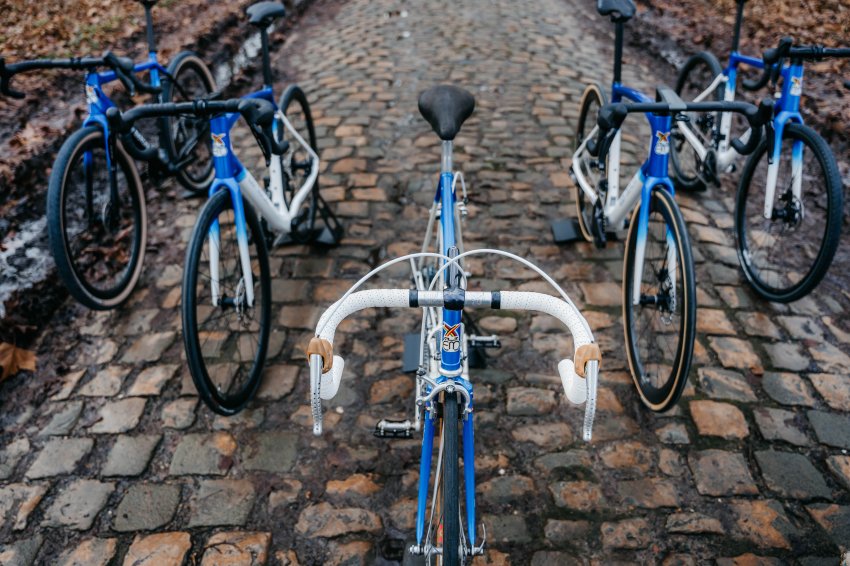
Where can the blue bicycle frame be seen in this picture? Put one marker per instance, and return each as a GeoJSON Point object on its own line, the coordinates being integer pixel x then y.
{"type": "Point", "coordinates": [99, 103]}
{"type": "Point", "coordinates": [786, 110]}
{"type": "Point", "coordinates": [229, 172]}
{"type": "Point", "coordinates": [451, 369]}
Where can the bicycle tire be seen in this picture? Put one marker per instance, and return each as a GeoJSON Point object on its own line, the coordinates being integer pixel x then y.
{"type": "Point", "coordinates": [663, 396]}
{"type": "Point", "coordinates": [682, 179]}
{"type": "Point", "coordinates": [593, 95]}
{"type": "Point", "coordinates": [451, 489]}
{"type": "Point", "coordinates": [94, 206]}
{"type": "Point", "coordinates": [200, 366]}
{"type": "Point", "coordinates": [186, 62]}
{"type": "Point", "coordinates": [304, 221]}
{"type": "Point", "coordinates": [832, 219]}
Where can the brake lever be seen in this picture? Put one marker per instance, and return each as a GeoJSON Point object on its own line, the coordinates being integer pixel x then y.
{"type": "Point", "coordinates": [5, 81]}
{"type": "Point", "coordinates": [125, 80]}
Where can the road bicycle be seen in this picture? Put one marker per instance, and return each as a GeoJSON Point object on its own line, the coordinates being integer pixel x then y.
{"type": "Point", "coordinates": [96, 213]}
{"type": "Point", "coordinates": [444, 391]}
{"type": "Point", "coordinates": [659, 288]}
{"type": "Point", "coordinates": [788, 231]}
{"type": "Point", "coordinates": [226, 297]}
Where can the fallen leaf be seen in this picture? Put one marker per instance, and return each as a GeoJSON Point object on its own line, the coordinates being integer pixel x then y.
{"type": "Point", "coordinates": [14, 359]}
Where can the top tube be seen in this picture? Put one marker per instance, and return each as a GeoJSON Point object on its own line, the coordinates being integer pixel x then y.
{"type": "Point", "coordinates": [619, 92]}
{"type": "Point", "coordinates": [736, 59]}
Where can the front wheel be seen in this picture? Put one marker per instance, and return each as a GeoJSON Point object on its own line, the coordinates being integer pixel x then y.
{"type": "Point", "coordinates": [785, 257]}
{"type": "Point", "coordinates": [694, 79]}
{"type": "Point", "coordinates": [187, 138]}
{"type": "Point", "coordinates": [591, 101]}
{"type": "Point", "coordinates": [226, 336]}
{"type": "Point", "coordinates": [660, 329]}
{"type": "Point", "coordinates": [96, 220]}
{"type": "Point", "coordinates": [451, 491]}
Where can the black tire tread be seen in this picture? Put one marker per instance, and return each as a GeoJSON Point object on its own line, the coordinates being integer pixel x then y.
{"type": "Point", "coordinates": [55, 220]}
{"type": "Point", "coordinates": [194, 356]}
{"type": "Point", "coordinates": [679, 374]}
{"type": "Point", "coordinates": [835, 198]}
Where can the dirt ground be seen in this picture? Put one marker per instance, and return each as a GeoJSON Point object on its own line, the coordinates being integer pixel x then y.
{"type": "Point", "coordinates": [826, 103]}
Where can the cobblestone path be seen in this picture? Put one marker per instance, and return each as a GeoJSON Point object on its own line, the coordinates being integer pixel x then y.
{"type": "Point", "coordinates": [107, 456]}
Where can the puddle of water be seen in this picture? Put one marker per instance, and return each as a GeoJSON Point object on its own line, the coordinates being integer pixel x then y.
{"type": "Point", "coordinates": [25, 261]}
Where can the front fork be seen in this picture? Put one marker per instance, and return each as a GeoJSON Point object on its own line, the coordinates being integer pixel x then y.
{"type": "Point", "coordinates": [428, 433]}
{"type": "Point", "coordinates": [241, 238]}
{"type": "Point", "coordinates": [773, 175]}
{"type": "Point", "coordinates": [640, 248]}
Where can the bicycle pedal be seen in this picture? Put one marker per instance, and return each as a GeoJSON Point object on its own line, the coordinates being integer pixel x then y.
{"type": "Point", "coordinates": [491, 341]}
{"type": "Point", "coordinates": [394, 429]}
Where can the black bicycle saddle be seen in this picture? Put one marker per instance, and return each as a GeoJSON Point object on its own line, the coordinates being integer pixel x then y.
{"type": "Point", "coordinates": [446, 108]}
{"type": "Point", "coordinates": [619, 10]}
{"type": "Point", "coordinates": [262, 14]}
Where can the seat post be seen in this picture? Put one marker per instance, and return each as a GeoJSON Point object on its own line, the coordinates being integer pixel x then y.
{"type": "Point", "coordinates": [446, 161]}
{"type": "Point", "coordinates": [738, 19]}
{"type": "Point", "coordinates": [149, 27]}
{"type": "Point", "coordinates": [267, 67]}
{"type": "Point", "coordinates": [618, 50]}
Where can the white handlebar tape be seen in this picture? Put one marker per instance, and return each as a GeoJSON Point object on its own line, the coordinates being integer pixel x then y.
{"type": "Point", "coordinates": [575, 387]}
{"type": "Point", "coordinates": [554, 306]}
{"type": "Point", "coordinates": [360, 300]}
{"type": "Point", "coordinates": [337, 312]}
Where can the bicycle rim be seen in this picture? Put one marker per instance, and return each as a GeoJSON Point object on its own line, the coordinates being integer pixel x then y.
{"type": "Point", "coordinates": [226, 339]}
{"type": "Point", "coordinates": [102, 231]}
{"type": "Point", "coordinates": [660, 331]}
{"type": "Point", "coordinates": [785, 256]}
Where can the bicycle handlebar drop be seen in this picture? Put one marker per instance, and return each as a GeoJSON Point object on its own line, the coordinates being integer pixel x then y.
{"type": "Point", "coordinates": [123, 67]}
{"type": "Point", "coordinates": [258, 113]}
{"type": "Point", "coordinates": [579, 376]}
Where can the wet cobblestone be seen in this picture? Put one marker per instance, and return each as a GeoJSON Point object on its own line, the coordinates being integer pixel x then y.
{"type": "Point", "coordinates": [749, 468]}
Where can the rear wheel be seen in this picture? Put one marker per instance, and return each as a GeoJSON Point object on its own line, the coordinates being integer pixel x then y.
{"type": "Point", "coordinates": [297, 162]}
{"type": "Point", "coordinates": [188, 137]}
{"type": "Point", "coordinates": [786, 256]}
{"type": "Point", "coordinates": [696, 76]}
{"type": "Point", "coordinates": [591, 101]}
{"type": "Point", "coordinates": [226, 339]}
{"type": "Point", "coordinates": [660, 330]}
{"type": "Point", "coordinates": [97, 234]}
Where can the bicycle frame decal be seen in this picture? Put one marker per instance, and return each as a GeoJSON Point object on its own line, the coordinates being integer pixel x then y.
{"type": "Point", "coordinates": [662, 143]}
{"type": "Point", "coordinates": [218, 147]}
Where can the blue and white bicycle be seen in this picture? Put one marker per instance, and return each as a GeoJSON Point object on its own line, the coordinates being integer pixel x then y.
{"type": "Point", "coordinates": [446, 524]}
{"type": "Point", "coordinates": [789, 204]}
{"type": "Point", "coordinates": [659, 287]}
{"type": "Point", "coordinates": [96, 212]}
{"type": "Point", "coordinates": [226, 302]}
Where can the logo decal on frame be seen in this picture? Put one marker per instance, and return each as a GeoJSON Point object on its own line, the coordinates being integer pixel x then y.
{"type": "Point", "coordinates": [451, 339]}
{"type": "Point", "coordinates": [218, 147]}
{"type": "Point", "coordinates": [796, 86]}
{"type": "Point", "coordinates": [91, 94]}
{"type": "Point", "coordinates": [662, 146]}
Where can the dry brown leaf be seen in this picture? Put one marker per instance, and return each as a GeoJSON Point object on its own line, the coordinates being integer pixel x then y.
{"type": "Point", "coordinates": [14, 359]}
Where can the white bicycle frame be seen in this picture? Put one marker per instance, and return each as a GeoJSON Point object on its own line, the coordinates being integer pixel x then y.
{"type": "Point", "coordinates": [615, 207]}
{"type": "Point", "coordinates": [726, 154]}
{"type": "Point", "coordinates": [272, 209]}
